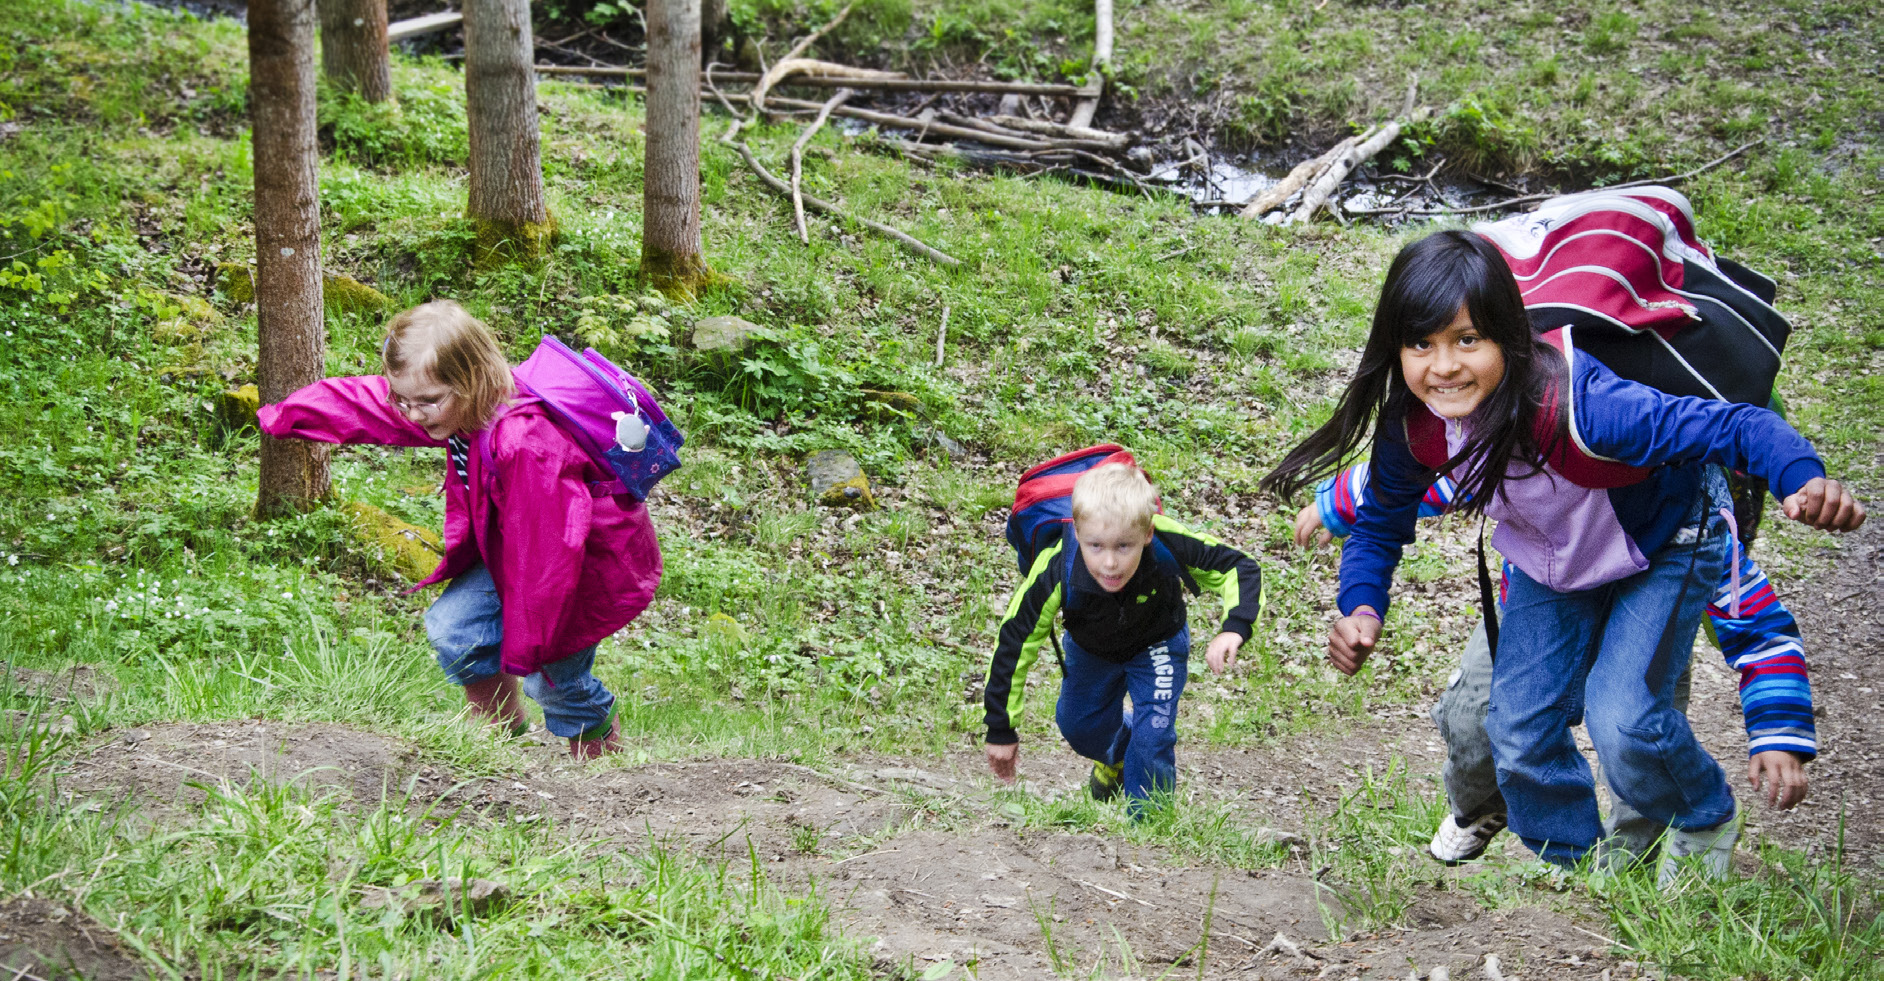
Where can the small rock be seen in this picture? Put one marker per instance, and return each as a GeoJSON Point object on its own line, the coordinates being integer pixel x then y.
{"type": "Point", "coordinates": [236, 281]}
{"type": "Point", "coordinates": [237, 408]}
{"type": "Point", "coordinates": [410, 550]}
{"type": "Point", "coordinates": [344, 294]}
{"type": "Point", "coordinates": [1273, 836]}
{"type": "Point", "coordinates": [891, 403]}
{"type": "Point", "coordinates": [725, 335]}
{"type": "Point", "coordinates": [135, 736]}
{"type": "Point", "coordinates": [837, 481]}
{"type": "Point", "coordinates": [949, 447]}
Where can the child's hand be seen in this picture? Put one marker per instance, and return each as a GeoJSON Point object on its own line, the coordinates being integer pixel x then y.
{"type": "Point", "coordinates": [1222, 651]}
{"type": "Point", "coordinates": [1307, 523]}
{"type": "Point", "coordinates": [1351, 639]}
{"type": "Point", "coordinates": [1003, 759]}
{"type": "Point", "coordinates": [1825, 504]}
{"type": "Point", "coordinates": [1779, 775]}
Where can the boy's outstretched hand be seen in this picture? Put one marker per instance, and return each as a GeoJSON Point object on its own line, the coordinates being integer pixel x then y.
{"type": "Point", "coordinates": [1221, 653]}
{"type": "Point", "coordinates": [1780, 776]}
{"type": "Point", "coordinates": [1307, 523]}
{"type": "Point", "coordinates": [1003, 759]}
{"type": "Point", "coordinates": [1351, 639]}
{"type": "Point", "coordinates": [1825, 504]}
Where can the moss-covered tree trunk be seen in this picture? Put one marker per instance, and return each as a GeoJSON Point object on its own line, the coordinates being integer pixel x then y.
{"type": "Point", "coordinates": [353, 47]}
{"type": "Point", "coordinates": [506, 201]}
{"type": "Point", "coordinates": [287, 239]}
{"type": "Point", "coordinates": [670, 204]}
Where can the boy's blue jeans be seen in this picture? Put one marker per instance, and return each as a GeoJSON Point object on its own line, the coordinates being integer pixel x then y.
{"type": "Point", "coordinates": [1092, 715]}
{"type": "Point", "coordinates": [1560, 660]}
{"type": "Point", "coordinates": [466, 628]}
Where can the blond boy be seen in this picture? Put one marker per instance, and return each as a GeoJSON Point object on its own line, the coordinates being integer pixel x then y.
{"type": "Point", "coordinates": [1118, 576]}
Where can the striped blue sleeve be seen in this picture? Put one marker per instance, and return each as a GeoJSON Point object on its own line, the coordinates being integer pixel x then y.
{"type": "Point", "coordinates": [1764, 646]}
{"type": "Point", "coordinates": [1339, 499]}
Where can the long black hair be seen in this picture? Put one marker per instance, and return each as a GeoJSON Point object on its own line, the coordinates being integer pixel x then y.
{"type": "Point", "coordinates": [1429, 281]}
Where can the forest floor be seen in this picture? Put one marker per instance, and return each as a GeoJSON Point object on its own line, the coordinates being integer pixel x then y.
{"type": "Point", "coordinates": [225, 750]}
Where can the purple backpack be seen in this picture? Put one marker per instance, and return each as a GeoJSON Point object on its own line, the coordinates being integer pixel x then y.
{"type": "Point", "coordinates": [606, 412]}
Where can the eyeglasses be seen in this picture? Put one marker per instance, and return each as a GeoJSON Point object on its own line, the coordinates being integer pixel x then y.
{"type": "Point", "coordinates": [422, 408]}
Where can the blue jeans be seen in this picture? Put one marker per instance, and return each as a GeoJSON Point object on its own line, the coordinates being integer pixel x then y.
{"type": "Point", "coordinates": [1092, 715]}
{"type": "Point", "coordinates": [466, 628]}
{"type": "Point", "coordinates": [1560, 659]}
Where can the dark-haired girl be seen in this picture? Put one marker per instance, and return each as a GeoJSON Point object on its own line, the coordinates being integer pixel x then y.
{"type": "Point", "coordinates": [1607, 501]}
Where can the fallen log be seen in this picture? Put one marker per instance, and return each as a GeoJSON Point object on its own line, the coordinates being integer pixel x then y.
{"type": "Point", "coordinates": [814, 81]}
{"type": "Point", "coordinates": [984, 125]}
{"type": "Point", "coordinates": [945, 129]}
{"type": "Point", "coordinates": [1101, 61]}
{"type": "Point", "coordinates": [1272, 198]}
{"type": "Point", "coordinates": [428, 24]}
{"type": "Point", "coordinates": [1062, 130]}
{"type": "Point", "coordinates": [1339, 168]}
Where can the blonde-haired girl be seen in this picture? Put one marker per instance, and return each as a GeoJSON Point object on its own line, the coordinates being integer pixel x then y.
{"type": "Point", "coordinates": [541, 569]}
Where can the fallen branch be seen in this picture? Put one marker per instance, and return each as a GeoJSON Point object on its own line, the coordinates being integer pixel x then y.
{"type": "Point", "coordinates": [783, 66]}
{"type": "Point", "coordinates": [1547, 195]}
{"type": "Point", "coordinates": [892, 84]}
{"type": "Point", "coordinates": [1116, 141]}
{"type": "Point", "coordinates": [943, 129]}
{"type": "Point", "coordinates": [1101, 60]}
{"type": "Point", "coordinates": [913, 244]}
{"type": "Point", "coordinates": [942, 336]}
{"type": "Point", "coordinates": [798, 149]}
{"type": "Point", "coordinates": [1339, 168]}
{"type": "Point", "coordinates": [1272, 198]}
{"type": "Point", "coordinates": [400, 30]}
{"type": "Point", "coordinates": [1115, 893]}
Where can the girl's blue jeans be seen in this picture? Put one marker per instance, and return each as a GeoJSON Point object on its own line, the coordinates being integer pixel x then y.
{"type": "Point", "coordinates": [1610, 657]}
{"type": "Point", "coordinates": [466, 628]}
{"type": "Point", "coordinates": [1093, 718]}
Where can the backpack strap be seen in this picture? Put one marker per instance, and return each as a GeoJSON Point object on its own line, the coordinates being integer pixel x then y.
{"type": "Point", "coordinates": [487, 463]}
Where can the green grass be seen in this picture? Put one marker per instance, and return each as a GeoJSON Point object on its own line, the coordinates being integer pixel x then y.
{"type": "Point", "coordinates": [126, 540]}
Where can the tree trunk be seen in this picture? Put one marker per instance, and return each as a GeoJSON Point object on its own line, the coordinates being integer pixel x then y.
{"type": "Point", "coordinates": [506, 200]}
{"type": "Point", "coordinates": [670, 206]}
{"type": "Point", "coordinates": [287, 239]}
{"type": "Point", "coordinates": [353, 47]}
{"type": "Point", "coordinates": [713, 22]}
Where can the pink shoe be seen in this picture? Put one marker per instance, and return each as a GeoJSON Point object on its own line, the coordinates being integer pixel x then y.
{"type": "Point", "coordinates": [588, 747]}
{"type": "Point", "coordinates": [498, 700]}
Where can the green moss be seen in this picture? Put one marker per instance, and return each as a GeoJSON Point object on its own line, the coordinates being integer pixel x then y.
{"type": "Point", "coordinates": [340, 293]}
{"type": "Point", "coordinates": [237, 408]}
{"type": "Point", "coordinates": [344, 294]}
{"type": "Point", "coordinates": [236, 281]}
{"type": "Point", "coordinates": [676, 275]}
{"type": "Point", "coordinates": [499, 243]}
{"type": "Point", "coordinates": [406, 548]}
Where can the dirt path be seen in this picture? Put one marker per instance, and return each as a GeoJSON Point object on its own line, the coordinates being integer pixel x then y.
{"type": "Point", "coordinates": [916, 857]}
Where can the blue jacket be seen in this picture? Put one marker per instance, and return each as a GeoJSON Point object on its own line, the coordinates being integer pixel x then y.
{"type": "Point", "coordinates": [1568, 531]}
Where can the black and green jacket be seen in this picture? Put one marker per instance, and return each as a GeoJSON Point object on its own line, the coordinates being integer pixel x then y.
{"type": "Point", "coordinates": [1113, 626]}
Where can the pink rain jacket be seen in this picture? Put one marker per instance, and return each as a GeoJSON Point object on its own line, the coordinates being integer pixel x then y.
{"type": "Point", "coordinates": [570, 568]}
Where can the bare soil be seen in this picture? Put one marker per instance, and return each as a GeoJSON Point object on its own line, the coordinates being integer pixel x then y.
{"type": "Point", "coordinates": [52, 943]}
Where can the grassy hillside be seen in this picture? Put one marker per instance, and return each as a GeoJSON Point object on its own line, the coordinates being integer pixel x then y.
{"type": "Point", "coordinates": [784, 631]}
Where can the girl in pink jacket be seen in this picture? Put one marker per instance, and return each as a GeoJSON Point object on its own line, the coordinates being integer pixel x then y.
{"type": "Point", "coordinates": [541, 569]}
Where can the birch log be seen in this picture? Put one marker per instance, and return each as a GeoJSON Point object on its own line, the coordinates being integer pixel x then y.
{"type": "Point", "coordinates": [1101, 60]}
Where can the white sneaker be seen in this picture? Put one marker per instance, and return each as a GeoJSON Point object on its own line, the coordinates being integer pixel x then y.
{"type": "Point", "coordinates": [1709, 850]}
{"type": "Point", "coordinates": [1454, 845]}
